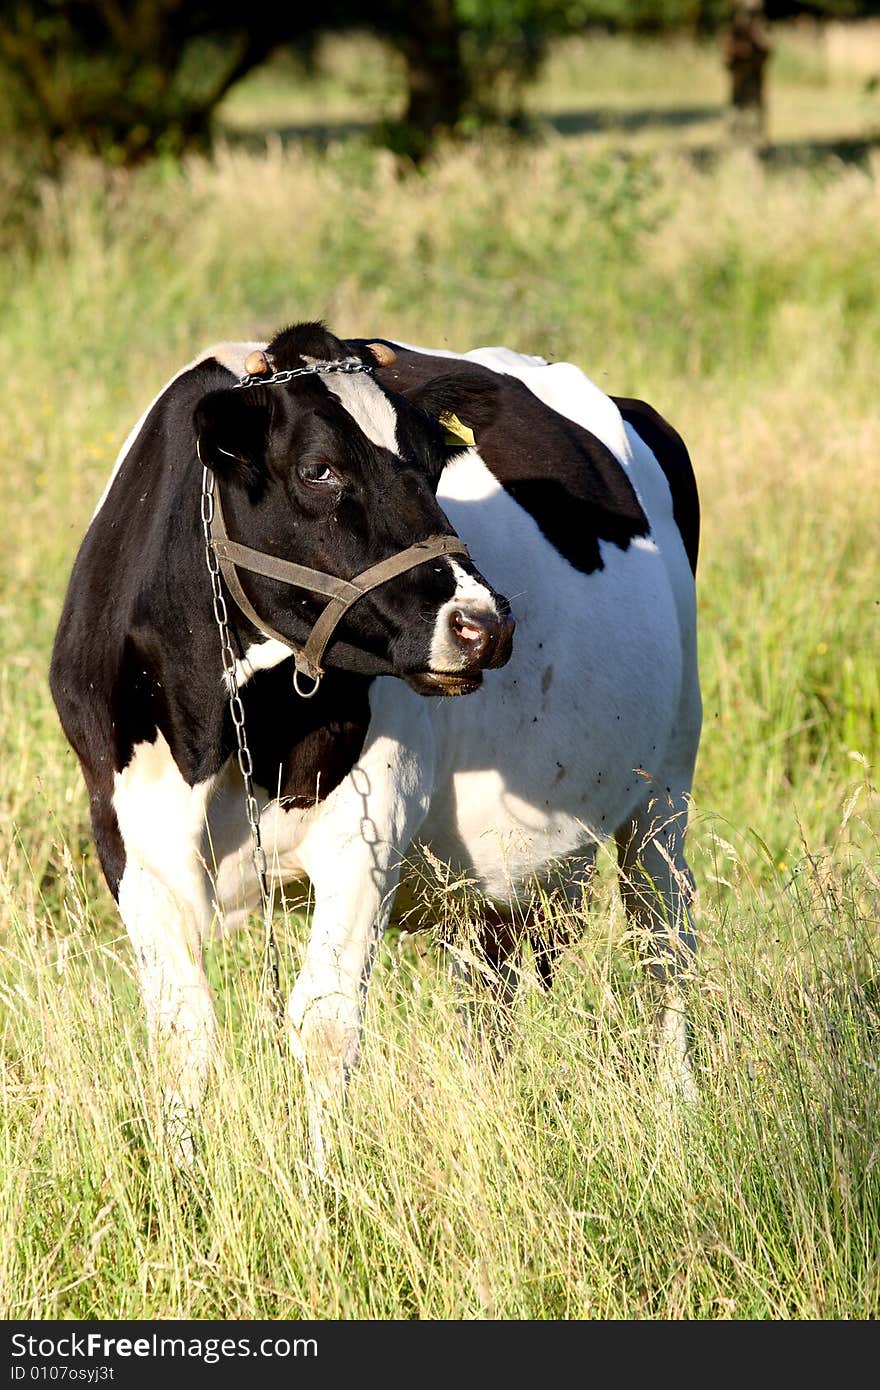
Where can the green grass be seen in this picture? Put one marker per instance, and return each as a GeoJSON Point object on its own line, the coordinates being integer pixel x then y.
{"type": "Point", "coordinates": [741, 301]}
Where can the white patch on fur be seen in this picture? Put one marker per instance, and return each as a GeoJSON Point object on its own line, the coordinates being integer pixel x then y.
{"type": "Point", "coordinates": [260, 656]}
{"type": "Point", "coordinates": [539, 762]}
{"type": "Point", "coordinates": [367, 405]}
{"type": "Point", "coordinates": [502, 357]}
{"type": "Point", "coordinates": [229, 355]}
{"type": "Point", "coordinates": [468, 588]}
{"type": "Point", "coordinates": [151, 793]}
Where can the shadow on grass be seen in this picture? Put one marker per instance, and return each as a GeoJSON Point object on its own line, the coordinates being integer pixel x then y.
{"type": "Point", "coordinates": [317, 133]}
{"type": "Point", "coordinates": [787, 154]}
{"type": "Point", "coordinates": [851, 149]}
{"type": "Point", "coordinates": [594, 121]}
{"type": "Point", "coordinates": [603, 119]}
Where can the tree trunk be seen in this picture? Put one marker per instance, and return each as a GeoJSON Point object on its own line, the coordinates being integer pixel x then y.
{"type": "Point", "coordinates": [746, 51]}
{"type": "Point", "coordinates": [436, 74]}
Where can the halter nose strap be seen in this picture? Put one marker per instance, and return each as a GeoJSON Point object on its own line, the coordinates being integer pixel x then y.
{"type": "Point", "coordinates": [341, 594]}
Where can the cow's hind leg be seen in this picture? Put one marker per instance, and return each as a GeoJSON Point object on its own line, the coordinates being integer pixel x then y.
{"type": "Point", "coordinates": [657, 887]}
{"type": "Point", "coordinates": [556, 912]}
{"type": "Point", "coordinates": [165, 906]}
{"type": "Point", "coordinates": [485, 969]}
{"type": "Point", "coordinates": [485, 963]}
{"type": "Point", "coordinates": [488, 972]}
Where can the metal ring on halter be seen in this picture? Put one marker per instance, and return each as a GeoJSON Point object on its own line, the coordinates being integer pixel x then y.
{"type": "Point", "coordinates": [306, 694]}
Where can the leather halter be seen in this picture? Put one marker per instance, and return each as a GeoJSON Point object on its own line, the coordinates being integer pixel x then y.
{"type": "Point", "coordinates": [341, 594]}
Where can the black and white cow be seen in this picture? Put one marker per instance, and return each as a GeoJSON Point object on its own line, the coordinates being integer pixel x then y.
{"type": "Point", "coordinates": [582, 508]}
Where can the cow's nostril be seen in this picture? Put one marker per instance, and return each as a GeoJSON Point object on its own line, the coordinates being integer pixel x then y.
{"type": "Point", "coordinates": [484, 639]}
{"type": "Point", "coordinates": [469, 630]}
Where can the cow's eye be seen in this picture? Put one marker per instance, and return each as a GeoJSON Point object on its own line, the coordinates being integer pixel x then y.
{"type": "Point", "coordinates": [316, 473]}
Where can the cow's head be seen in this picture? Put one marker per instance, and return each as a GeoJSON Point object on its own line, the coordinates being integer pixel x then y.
{"type": "Point", "coordinates": [334, 472]}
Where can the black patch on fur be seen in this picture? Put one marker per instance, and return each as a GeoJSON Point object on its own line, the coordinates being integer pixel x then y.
{"type": "Point", "coordinates": [138, 699]}
{"type": "Point", "coordinates": [561, 474]}
{"type": "Point", "coordinates": [232, 428]}
{"type": "Point", "coordinates": [292, 345]}
{"type": "Point", "coordinates": [670, 451]}
{"type": "Point", "coordinates": [302, 749]}
{"type": "Point", "coordinates": [105, 826]}
{"type": "Point", "coordinates": [137, 649]}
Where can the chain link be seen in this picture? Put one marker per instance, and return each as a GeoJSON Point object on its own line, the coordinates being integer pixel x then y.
{"type": "Point", "coordinates": [245, 761]}
{"type": "Point", "coordinates": [344, 364]}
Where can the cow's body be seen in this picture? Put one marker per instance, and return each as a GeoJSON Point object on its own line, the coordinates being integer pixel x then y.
{"type": "Point", "coordinates": [589, 730]}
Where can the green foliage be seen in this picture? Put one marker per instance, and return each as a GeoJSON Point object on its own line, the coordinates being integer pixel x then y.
{"type": "Point", "coordinates": [556, 17]}
{"type": "Point", "coordinates": [124, 81]}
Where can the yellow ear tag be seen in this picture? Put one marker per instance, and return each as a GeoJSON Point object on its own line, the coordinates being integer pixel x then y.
{"type": "Point", "coordinates": [456, 432]}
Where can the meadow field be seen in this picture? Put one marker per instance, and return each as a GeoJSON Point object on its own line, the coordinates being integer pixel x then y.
{"type": "Point", "coordinates": [740, 297]}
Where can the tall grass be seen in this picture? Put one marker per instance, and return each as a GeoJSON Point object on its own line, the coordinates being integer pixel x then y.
{"type": "Point", "coordinates": [557, 1183]}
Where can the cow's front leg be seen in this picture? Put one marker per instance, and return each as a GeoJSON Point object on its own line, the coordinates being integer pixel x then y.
{"type": "Point", "coordinates": [164, 903]}
{"type": "Point", "coordinates": [353, 856]}
{"type": "Point", "coordinates": [167, 929]}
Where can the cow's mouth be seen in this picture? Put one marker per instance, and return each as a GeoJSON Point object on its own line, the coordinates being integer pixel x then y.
{"type": "Point", "coordinates": [444, 682]}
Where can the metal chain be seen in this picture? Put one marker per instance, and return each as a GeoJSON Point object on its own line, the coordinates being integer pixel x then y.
{"type": "Point", "coordinates": [343, 364]}
{"type": "Point", "coordinates": [236, 708]}
{"type": "Point", "coordinates": [245, 761]}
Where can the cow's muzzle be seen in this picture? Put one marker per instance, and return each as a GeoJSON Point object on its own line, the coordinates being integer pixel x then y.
{"type": "Point", "coordinates": [485, 639]}
{"type": "Point", "coordinates": [482, 641]}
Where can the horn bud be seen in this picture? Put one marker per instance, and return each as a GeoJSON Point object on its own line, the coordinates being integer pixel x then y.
{"type": "Point", "coordinates": [383, 354]}
{"type": "Point", "coordinates": [257, 363]}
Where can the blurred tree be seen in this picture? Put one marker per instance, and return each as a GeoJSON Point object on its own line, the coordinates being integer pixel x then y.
{"type": "Point", "coordinates": [125, 78]}
{"type": "Point", "coordinates": [429, 37]}
{"type": "Point", "coordinates": [130, 78]}
{"type": "Point", "coordinates": [747, 49]}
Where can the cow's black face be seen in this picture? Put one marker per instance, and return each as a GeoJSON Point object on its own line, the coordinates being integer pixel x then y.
{"type": "Point", "coordinates": [335, 473]}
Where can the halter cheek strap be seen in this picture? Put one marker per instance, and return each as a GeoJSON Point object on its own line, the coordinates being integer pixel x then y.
{"type": "Point", "coordinates": [341, 594]}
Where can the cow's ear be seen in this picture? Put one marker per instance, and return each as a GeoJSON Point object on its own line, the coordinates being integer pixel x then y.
{"type": "Point", "coordinates": [232, 430]}
{"type": "Point", "coordinates": [463, 406]}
